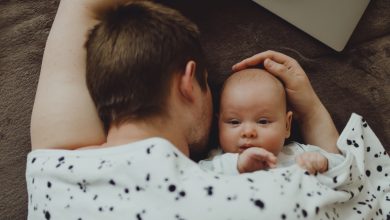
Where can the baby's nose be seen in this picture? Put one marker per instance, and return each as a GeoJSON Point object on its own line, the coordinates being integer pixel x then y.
{"type": "Point", "coordinates": [249, 132]}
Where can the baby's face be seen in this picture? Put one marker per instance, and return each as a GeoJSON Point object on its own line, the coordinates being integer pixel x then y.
{"type": "Point", "coordinates": [253, 113]}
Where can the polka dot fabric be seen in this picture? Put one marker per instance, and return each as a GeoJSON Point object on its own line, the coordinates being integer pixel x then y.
{"type": "Point", "coordinates": [151, 179]}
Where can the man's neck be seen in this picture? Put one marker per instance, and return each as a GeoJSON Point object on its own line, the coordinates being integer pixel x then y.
{"type": "Point", "coordinates": [137, 131]}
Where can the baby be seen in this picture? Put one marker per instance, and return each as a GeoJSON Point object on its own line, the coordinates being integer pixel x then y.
{"type": "Point", "coordinates": [253, 124]}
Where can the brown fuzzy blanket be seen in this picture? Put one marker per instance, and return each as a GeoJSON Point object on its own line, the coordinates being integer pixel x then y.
{"type": "Point", "coordinates": [356, 80]}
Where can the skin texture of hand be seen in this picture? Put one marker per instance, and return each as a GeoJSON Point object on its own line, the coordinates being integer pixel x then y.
{"type": "Point", "coordinates": [316, 123]}
{"type": "Point", "coordinates": [313, 162]}
{"type": "Point", "coordinates": [254, 158]}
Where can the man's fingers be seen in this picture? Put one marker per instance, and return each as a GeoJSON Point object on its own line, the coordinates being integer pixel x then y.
{"type": "Point", "coordinates": [276, 63]}
{"type": "Point", "coordinates": [277, 69]}
{"type": "Point", "coordinates": [248, 62]}
{"type": "Point", "coordinates": [251, 61]}
{"type": "Point", "coordinates": [261, 57]}
{"type": "Point", "coordinates": [277, 57]}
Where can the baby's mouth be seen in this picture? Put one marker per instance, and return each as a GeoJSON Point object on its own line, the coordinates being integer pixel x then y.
{"type": "Point", "coordinates": [244, 147]}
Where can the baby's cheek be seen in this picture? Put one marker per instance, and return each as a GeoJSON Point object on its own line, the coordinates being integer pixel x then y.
{"type": "Point", "coordinates": [227, 141]}
{"type": "Point", "coordinates": [274, 141]}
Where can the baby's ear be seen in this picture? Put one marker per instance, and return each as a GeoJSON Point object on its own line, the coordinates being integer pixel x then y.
{"type": "Point", "coordinates": [288, 123]}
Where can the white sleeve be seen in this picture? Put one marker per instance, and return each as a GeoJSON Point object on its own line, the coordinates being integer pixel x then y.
{"type": "Point", "coordinates": [223, 164]}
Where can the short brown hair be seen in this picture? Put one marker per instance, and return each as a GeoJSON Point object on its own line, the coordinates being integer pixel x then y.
{"type": "Point", "coordinates": [132, 55]}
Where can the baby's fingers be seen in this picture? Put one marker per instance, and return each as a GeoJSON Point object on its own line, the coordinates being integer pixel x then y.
{"type": "Point", "coordinates": [306, 164]}
{"type": "Point", "coordinates": [265, 155]}
{"type": "Point", "coordinates": [321, 165]}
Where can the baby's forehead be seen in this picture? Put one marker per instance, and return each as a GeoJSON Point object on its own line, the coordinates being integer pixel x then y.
{"type": "Point", "coordinates": [252, 87]}
{"type": "Point", "coordinates": [258, 76]}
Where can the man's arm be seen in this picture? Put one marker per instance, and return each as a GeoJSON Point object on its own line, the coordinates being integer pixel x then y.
{"type": "Point", "coordinates": [64, 115]}
{"type": "Point", "coordinates": [318, 129]}
{"type": "Point", "coordinates": [316, 123]}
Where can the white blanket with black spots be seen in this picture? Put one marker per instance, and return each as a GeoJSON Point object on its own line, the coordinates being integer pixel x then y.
{"type": "Point", "coordinates": [151, 179]}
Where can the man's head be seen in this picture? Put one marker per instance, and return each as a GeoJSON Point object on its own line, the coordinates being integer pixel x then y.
{"type": "Point", "coordinates": [133, 55]}
{"type": "Point", "coordinates": [253, 112]}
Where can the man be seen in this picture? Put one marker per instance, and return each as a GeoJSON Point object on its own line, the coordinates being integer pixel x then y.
{"type": "Point", "coordinates": [64, 116]}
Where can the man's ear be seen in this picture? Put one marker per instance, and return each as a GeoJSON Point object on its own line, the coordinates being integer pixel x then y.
{"type": "Point", "coordinates": [186, 84]}
{"type": "Point", "coordinates": [288, 123]}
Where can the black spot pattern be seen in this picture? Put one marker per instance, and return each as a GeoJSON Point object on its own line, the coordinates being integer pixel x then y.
{"type": "Point", "coordinates": [171, 188]}
{"type": "Point", "coordinates": [148, 150]}
{"type": "Point", "coordinates": [259, 203]}
{"type": "Point", "coordinates": [209, 190]}
{"type": "Point", "coordinates": [61, 161]}
{"type": "Point", "coordinates": [47, 214]}
{"type": "Point", "coordinates": [139, 215]}
{"type": "Point", "coordinates": [304, 213]}
{"type": "Point", "coordinates": [83, 185]}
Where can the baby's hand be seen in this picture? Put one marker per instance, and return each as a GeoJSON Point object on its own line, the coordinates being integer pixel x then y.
{"type": "Point", "coordinates": [313, 162]}
{"type": "Point", "coordinates": [254, 158]}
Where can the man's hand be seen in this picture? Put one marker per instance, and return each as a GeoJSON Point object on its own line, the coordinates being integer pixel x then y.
{"type": "Point", "coordinates": [316, 123]}
{"type": "Point", "coordinates": [313, 162]}
{"type": "Point", "coordinates": [254, 158]}
{"type": "Point", "coordinates": [298, 88]}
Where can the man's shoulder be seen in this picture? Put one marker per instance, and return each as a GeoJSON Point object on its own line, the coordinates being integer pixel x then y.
{"type": "Point", "coordinates": [153, 141]}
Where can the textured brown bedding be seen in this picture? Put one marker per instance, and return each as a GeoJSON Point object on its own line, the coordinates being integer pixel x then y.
{"type": "Point", "coordinates": [356, 80]}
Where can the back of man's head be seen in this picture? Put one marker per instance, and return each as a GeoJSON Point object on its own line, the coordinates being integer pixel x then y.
{"type": "Point", "coordinates": [132, 56]}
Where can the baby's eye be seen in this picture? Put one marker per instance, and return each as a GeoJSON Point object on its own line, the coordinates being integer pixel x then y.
{"type": "Point", "coordinates": [234, 122]}
{"type": "Point", "coordinates": [263, 121]}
